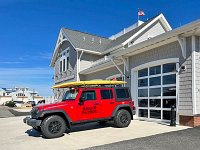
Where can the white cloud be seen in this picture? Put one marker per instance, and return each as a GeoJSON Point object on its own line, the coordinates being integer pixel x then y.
{"type": "Point", "coordinates": [39, 79]}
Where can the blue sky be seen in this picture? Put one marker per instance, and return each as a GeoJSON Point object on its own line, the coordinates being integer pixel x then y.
{"type": "Point", "coordinates": [29, 30]}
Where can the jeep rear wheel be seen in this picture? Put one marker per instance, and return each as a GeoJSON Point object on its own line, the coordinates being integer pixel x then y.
{"type": "Point", "coordinates": [122, 118]}
{"type": "Point", "coordinates": [53, 126]}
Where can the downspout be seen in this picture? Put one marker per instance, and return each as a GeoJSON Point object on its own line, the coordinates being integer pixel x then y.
{"type": "Point", "coordinates": [194, 74]}
{"type": "Point", "coordinates": [126, 67]}
{"type": "Point", "coordinates": [118, 69]}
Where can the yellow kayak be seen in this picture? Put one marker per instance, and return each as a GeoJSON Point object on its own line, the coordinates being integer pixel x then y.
{"type": "Point", "coordinates": [85, 83]}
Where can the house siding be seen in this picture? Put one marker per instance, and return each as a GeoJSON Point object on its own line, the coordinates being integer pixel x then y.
{"type": "Point", "coordinates": [185, 83]}
{"type": "Point", "coordinates": [197, 63]}
{"type": "Point", "coordinates": [103, 74]}
{"type": "Point", "coordinates": [67, 76]}
{"type": "Point", "coordinates": [70, 74]}
{"type": "Point", "coordinates": [87, 59]}
{"type": "Point", "coordinates": [152, 31]}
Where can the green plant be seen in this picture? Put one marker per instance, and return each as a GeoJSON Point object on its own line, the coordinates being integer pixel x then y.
{"type": "Point", "coordinates": [10, 104]}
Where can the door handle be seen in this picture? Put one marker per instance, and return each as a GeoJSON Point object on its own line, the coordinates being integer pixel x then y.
{"type": "Point", "coordinates": [96, 103]}
{"type": "Point", "coordinates": [111, 102]}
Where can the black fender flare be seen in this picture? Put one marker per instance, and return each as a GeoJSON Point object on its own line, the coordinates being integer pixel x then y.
{"type": "Point", "coordinates": [47, 112]}
{"type": "Point", "coordinates": [125, 106]}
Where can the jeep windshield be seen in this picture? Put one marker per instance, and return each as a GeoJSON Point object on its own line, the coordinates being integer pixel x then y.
{"type": "Point", "coordinates": [70, 95]}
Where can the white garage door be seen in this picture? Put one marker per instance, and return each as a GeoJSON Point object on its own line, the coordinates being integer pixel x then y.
{"type": "Point", "coordinates": [156, 91]}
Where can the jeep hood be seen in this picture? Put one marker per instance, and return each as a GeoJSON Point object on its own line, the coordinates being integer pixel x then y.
{"type": "Point", "coordinates": [51, 106]}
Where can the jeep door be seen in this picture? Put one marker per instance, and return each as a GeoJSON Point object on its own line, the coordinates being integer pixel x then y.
{"type": "Point", "coordinates": [89, 105]}
{"type": "Point", "coordinates": [107, 102]}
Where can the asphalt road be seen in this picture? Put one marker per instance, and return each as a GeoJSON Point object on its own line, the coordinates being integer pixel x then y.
{"type": "Point", "coordinates": [188, 139]}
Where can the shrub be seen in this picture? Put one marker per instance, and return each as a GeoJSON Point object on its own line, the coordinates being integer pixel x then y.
{"type": "Point", "coordinates": [10, 104]}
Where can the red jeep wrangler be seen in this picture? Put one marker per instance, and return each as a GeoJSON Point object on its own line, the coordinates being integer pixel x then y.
{"type": "Point", "coordinates": [83, 105]}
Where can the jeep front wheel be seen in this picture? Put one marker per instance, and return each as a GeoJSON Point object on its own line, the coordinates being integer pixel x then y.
{"type": "Point", "coordinates": [122, 118]}
{"type": "Point", "coordinates": [53, 126]}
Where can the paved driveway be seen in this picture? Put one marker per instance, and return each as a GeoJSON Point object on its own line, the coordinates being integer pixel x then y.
{"type": "Point", "coordinates": [19, 136]}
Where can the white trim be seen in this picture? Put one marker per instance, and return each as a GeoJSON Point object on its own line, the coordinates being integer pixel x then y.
{"type": "Point", "coordinates": [177, 92]}
{"type": "Point", "coordinates": [78, 64]}
{"type": "Point", "coordinates": [159, 40]}
{"type": "Point", "coordinates": [163, 21]}
{"type": "Point", "coordinates": [62, 39]}
{"type": "Point", "coordinates": [194, 74]}
{"type": "Point", "coordinates": [155, 63]}
{"type": "Point", "coordinates": [182, 42]}
{"type": "Point", "coordinates": [134, 85]}
{"type": "Point", "coordinates": [145, 27]}
{"type": "Point", "coordinates": [166, 22]}
{"type": "Point", "coordinates": [88, 51]}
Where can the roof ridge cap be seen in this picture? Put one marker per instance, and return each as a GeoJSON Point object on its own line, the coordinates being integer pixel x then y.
{"type": "Point", "coordinates": [87, 33]}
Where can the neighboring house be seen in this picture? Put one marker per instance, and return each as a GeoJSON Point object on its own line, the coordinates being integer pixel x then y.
{"type": "Point", "coordinates": [18, 94]}
{"type": "Point", "coordinates": [160, 65]}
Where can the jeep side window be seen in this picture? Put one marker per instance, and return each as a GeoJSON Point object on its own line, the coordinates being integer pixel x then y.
{"type": "Point", "coordinates": [122, 93]}
{"type": "Point", "coordinates": [88, 95]}
{"type": "Point", "coordinates": [106, 94]}
{"type": "Point", "coordinates": [70, 95]}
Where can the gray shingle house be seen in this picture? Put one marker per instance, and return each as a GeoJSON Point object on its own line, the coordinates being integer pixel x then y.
{"type": "Point", "coordinates": [160, 65]}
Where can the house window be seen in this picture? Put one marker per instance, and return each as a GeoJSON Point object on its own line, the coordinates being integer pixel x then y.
{"type": "Point", "coordinates": [67, 63]}
{"type": "Point", "coordinates": [64, 69]}
{"type": "Point", "coordinates": [60, 66]}
{"type": "Point", "coordinates": [64, 60]}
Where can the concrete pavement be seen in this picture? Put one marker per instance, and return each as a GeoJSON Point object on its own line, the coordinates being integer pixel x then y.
{"type": "Point", "coordinates": [179, 140]}
{"type": "Point", "coordinates": [17, 135]}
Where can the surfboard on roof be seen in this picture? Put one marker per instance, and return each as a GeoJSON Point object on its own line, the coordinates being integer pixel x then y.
{"type": "Point", "coordinates": [86, 83]}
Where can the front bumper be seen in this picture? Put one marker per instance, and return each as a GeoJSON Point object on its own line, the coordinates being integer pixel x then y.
{"type": "Point", "coordinates": [32, 122]}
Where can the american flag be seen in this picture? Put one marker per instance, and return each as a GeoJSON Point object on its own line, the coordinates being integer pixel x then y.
{"type": "Point", "coordinates": [140, 13]}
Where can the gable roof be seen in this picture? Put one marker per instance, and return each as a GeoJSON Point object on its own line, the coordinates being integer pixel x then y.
{"type": "Point", "coordinates": [100, 45]}
{"type": "Point", "coordinates": [86, 41]}
{"type": "Point", "coordinates": [127, 35]}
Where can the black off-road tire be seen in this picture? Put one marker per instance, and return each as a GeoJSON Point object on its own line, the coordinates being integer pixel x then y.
{"type": "Point", "coordinates": [122, 118]}
{"type": "Point", "coordinates": [37, 129]}
{"type": "Point", "coordinates": [53, 127]}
